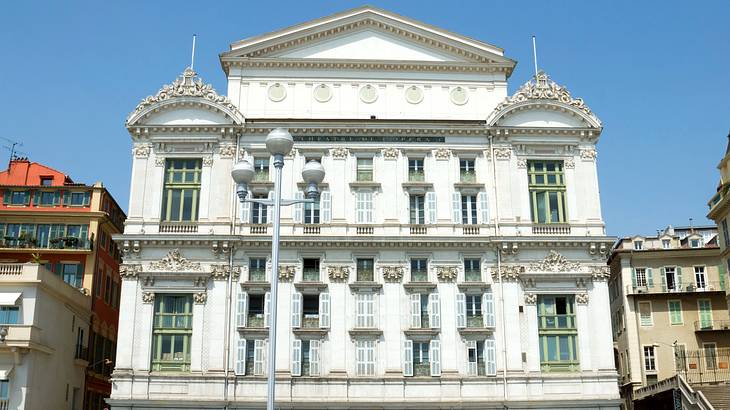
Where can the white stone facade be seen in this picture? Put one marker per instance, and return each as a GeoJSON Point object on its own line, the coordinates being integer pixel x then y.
{"type": "Point", "coordinates": [368, 84]}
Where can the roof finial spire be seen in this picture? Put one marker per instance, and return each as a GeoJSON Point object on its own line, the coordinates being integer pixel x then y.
{"type": "Point", "coordinates": [192, 57]}
{"type": "Point", "coordinates": [534, 54]}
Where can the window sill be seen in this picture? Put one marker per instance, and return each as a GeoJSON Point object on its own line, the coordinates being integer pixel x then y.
{"type": "Point", "coordinates": [255, 285]}
{"type": "Point", "coordinates": [425, 331]}
{"type": "Point", "coordinates": [419, 287]}
{"type": "Point", "coordinates": [365, 332]}
{"type": "Point", "coordinates": [310, 331]}
{"type": "Point", "coordinates": [474, 287]}
{"type": "Point", "coordinates": [362, 285]}
{"type": "Point", "coordinates": [253, 332]}
{"type": "Point", "coordinates": [475, 330]}
{"type": "Point", "coordinates": [364, 184]}
{"type": "Point", "coordinates": [310, 287]}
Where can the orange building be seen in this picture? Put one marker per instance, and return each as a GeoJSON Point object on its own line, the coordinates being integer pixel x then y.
{"type": "Point", "coordinates": [47, 218]}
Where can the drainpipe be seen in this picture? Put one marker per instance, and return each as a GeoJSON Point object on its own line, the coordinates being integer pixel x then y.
{"type": "Point", "coordinates": [498, 253]}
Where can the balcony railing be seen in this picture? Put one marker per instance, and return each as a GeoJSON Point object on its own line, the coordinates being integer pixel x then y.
{"type": "Point", "coordinates": [474, 321]}
{"type": "Point", "coordinates": [470, 230]}
{"type": "Point", "coordinates": [419, 276]}
{"type": "Point", "coordinates": [468, 177]}
{"type": "Point", "coordinates": [416, 176]}
{"type": "Point", "coordinates": [717, 198]}
{"type": "Point", "coordinates": [310, 321]}
{"type": "Point", "coordinates": [472, 276]}
{"type": "Point", "coordinates": [701, 325]}
{"type": "Point", "coordinates": [658, 287]}
{"type": "Point", "coordinates": [257, 275]}
{"type": "Point", "coordinates": [311, 229]}
{"type": "Point", "coordinates": [419, 229]}
{"type": "Point", "coordinates": [255, 320]}
{"type": "Point", "coordinates": [11, 268]}
{"type": "Point", "coordinates": [65, 242]}
{"type": "Point", "coordinates": [365, 230]}
{"type": "Point", "coordinates": [178, 227]}
{"type": "Point", "coordinates": [310, 275]}
{"type": "Point", "coordinates": [421, 369]}
{"type": "Point", "coordinates": [549, 229]}
{"type": "Point", "coordinates": [258, 229]}
{"type": "Point", "coordinates": [261, 176]}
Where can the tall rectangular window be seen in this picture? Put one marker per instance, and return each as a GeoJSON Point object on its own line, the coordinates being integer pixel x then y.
{"type": "Point", "coordinates": [725, 233]}
{"type": "Point", "coordinates": [467, 173]}
{"type": "Point", "coordinates": [640, 276]}
{"type": "Point", "coordinates": [666, 244]}
{"type": "Point", "coordinates": [558, 333]}
{"type": "Point", "coordinates": [417, 210]}
{"type": "Point", "coordinates": [72, 273]}
{"type": "Point", "coordinates": [415, 170]}
{"type": "Point", "coordinates": [419, 270]}
{"type": "Point", "coordinates": [261, 169]}
{"type": "Point", "coordinates": [365, 357]}
{"type": "Point", "coordinates": [547, 191]}
{"type": "Point", "coordinates": [675, 312]}
{"type": "Point", "coordinates": [468, 209]}
{"type": "Point", "coordinates": [257, 269]}
{"type": "Point", "coordinates": [645, 317]}
{"type": "Point", "coordinates": [259, 212]}
{"type": "Point", "coordinates": [472, 270]}
{"type": "Point", "coordinates": [474, 318]}
{"type": "Point", "coordinates": [700, 278]}
{"type": "Point", "coordinates": [310, 270]}
{"type": "Point", "coordinates": [364, 205]}
{"type": "Point", "coordinates": [181, 193]}
{"type": "Point", "coordinates": [421, 361]}
{"type": "Point", "coordinates": [364, 169]}
{"type": "Point", "coordinates": [365, 270]}
{"type": "Point", "coordinates": [705, 313]}
{"type": "Point", "coordinates": [9, 315]}
{"type": "Point", "coordinates": [171, 333]}
{"type": "Point", "coordinates": [365, 313]}
{"type": "Point", "coordinates": [311, 213]}
{"type": "Point", "coordinates": [649, 359]}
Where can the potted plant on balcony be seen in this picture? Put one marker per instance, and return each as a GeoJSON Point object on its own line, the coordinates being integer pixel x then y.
{"type": "Point", "coordinates": [26, 240]}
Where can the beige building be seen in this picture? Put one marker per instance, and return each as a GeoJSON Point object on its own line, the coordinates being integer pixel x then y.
{"type": "Point", "coordinates": [668, 308]}
{"type": "Point", "coordinates": [720, 213]}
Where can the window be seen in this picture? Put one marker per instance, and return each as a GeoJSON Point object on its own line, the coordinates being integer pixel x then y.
{"type": "Point", "coordinates": [547, 191]}
{"type": "Point", "coordinates": [252, 310]}
{"type": "Point", "coordinates": [675, 312]}
{"type": "Point", "coordinates": [311, 212]}
{"type": "Point", "coordinates": [364, 169]}
{"type": "Point", "coordinates": [666, 243]}
{"type": "Point", "coordinates": [700, 277]}
{"type": "Point", "coordinates": [98, 284]}
{"type": "Point", "coordinates": [638, 245]}
{"type": "Point", "coordinates": [468, 209]}
{"type": "Point", "coordinates": [250, 357]}
{"type": "Point", "coordinates": [365, 356]}
{"type": "Point", "coordinates": [725, 233]}
{"type": "Point", "coordinates": [9, 315]}
{"type": "Point", "coordinates": [365, 314]}
{"type": "Point", "coordinates": [77, 198]}
{"type": "Point", "coordinates": [47, 198]}
{"type": "Point", "coordinates": [425, 311]}
{"type": "Point", "coordinates": [364, 206]}
{"type": "Point", "coordinates": [467, 173]}
{"type": "Point", "coordinates": [694, 243]}
{"type": "Point", "coordinates": [171, 333]}
{"type": "Point", "coordinates": [705, 313]}
{"type": "Point", "coordinates": [640, 276]}
{"type": "Point", "coordinates": [680, 357]}
{"type": "Point", "coordinates": [310, 270]}
{"type": "Point", "coordinates": [108, 288]}
{"type": "Point", "coordinates": [365, 272]}
{"type": "Point", "coordinates": [710, 353]}
{"type": "Point", "coordinates": [19, 197]}
{"type": "Point", "coordinates": [475, 310]}
{"type": "Point", "coordinates": [422, 358]}
{"type": "Point", "coordinates": [671, 278]}
{"type": "Point", "coordinates": [46, 181]}
{"type": "Point", "coordinates": [182, 190]}
{"type": "Point", "coordinates": [481, 358]}
{"type": "Point", "coordinates": [417, 210]}
{"type": "Point", "coordinates": [649, 359]}
{"type": "Point", "coordinates": [257, 270]}
{"type": "Point", "coordinates": [261, 169]}
{"type": "Point", "coordinates": [415, 170]}
{"type": "Point", "coordinates": [558, 333]}
{"type": "Point", "coordinates": [259, 212]}
{"type": "Point", "coordinates": [72, 273]}
{"type": "Point", "coordinates": [645, 317]}
{"type": "Point", "coordinates": [305, 357]}
{"type": "Point", "coordinates": [4, 389]}
{"type": "Point", "coordinates": [310, 310]}
{"type": "Point", "coordinates": [419, 270]}
{"type": "Point", "coordinates": [472, 270]}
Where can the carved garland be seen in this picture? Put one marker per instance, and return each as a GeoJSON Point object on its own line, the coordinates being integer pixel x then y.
{"type": "Point", "coordinates": [530, 298]}
{"type": "Point", "coordinates": [286, 272]}
{"type": "Point", "coordinates": [338, 273]}
{"type": "Point", "coordinates": [392, 273]}
{"type": "Point", "coordinates": [581, 298]}
{"type": "Point", "coordinates": [141, 150]}
{"type": "Point", "coordinates": [199, 298]}
{"type": "Point", "coordinates": [175, 262]}
{"type": "Point", "coordinates": [390, 153]}
{"type": "Point", "coordinates": [508, 272]}
{"type": "Point", "coordinates": [555, 262]}
{"type": "Point", "coordinates": [129, 271]}
{"type": "Point", "coordinates": [339, 153]}
{"type": "Point", "coordinates": [442, 154]}
{"type": "Point", "coordinates": [227, 150]}
{"type": "Point", "coordinates": [221, 272]}
{"type": "Point", "coordinates": [447, 273]}
{"type": "Point", "coordinates": [148, 297]}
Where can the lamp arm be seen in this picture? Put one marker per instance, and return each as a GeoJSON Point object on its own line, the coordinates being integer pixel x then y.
{"type": "Point", "coordinates": [284, 202]}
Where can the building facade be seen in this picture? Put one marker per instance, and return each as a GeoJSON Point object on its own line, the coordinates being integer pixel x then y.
{"type": "Point", "coordinates": [456, 257]}
{"type": "Point", "coordinates": [48, 219]}
{"type": "Point", "coordinates": [720, 212]}
{"type": "Point", "coordinates": [668, 309]}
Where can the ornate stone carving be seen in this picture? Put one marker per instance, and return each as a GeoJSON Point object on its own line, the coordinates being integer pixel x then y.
{"type": "Point", "coordinates": [581, 298]}
{"type": "Point", "coordinates": [221, 272]}
{"type": "Point", "coordinates": [569, 163]}
{"type": "Point", "coordinates": [148, 297]}
{"type": "Point", "coordinates": [338, 273]}
{"type": "Point", "coordinates": [127, 271]}
{"type": "Point", "coordinates": [339, 153]}
{"type": "Point", "coordinates": [159, 161]}
{"type": "Point", "coordinates": [588, 154]}
{"type": "Point", "coordinates": [200, 282]}
{"type": "Point", "coordinates": [447, 273]}
{"type": "Point", "coordinates": [502, 153]}
{"type": "Point", "coordinates": [286, 272]}
{"type": "Point", "coordinates": [600, 272]}
{"type": "Point", "coordinates": [392, 273]}
{"type": "Point", "coordinates": [541, 87]}
{"type": "Point", "coordinates": [141, 150]}
{"type": "Point", "coordinates": [199, 298]}
{"type": "Point", "coordinates": [522, 163]}
{"type": "Point", "coordinates": [508, 272]}
{"type": "Point", "coordinates": [227, 150]}
{"type": "Point", "coordinates": [186, 85]}
{"type": "Point", "coordinates": [175, 262]}
{"type": "Point", "coordinates": [442, 154]}
{"type": "Point", "coordinates": [555, 262]}
{"type": "Point", "coordinates": [208, 161]}
{"type": "Point", "coordinates": [148, 281]}
{"type": "Point", "coordinates": [530, 298]}
{"type": "Point", "coordinates": [390, 153]}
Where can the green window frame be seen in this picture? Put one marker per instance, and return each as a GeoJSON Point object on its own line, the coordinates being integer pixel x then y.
{"type": "Point", "coordinates": [547, 192]}
{"type": "Point", "coordinates": [181, 192]}
{"type": "Point", "coordinates": [675, 312]}
{"type": "Point", "coordinates": [172, 333]}
{"type": "Point", "coordinates": [558, 333]}
{"type": "Point", "coordinates": [365, 271]}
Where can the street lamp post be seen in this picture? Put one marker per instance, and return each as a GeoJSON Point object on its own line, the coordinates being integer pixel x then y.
{"type": "Point", "coordinates": [279, 143]}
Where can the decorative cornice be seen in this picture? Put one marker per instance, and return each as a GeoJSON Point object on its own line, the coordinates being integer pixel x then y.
{"type": "Point", "coordinates": [148, 297]}
{"type": "Point", "coordinates": [129, 271]}
{"type": "Point", "coordinates": [530, 298]}
{"type": "Point", "coordinates": [581, 298]}
{"type": "Point", "coordinates": [447, 273]}
{"type": "Point", "coordinates": [508, 272]}
{"type": "Point", "coordinates": [221, 272]}
{"type": "Point", "coordinates": [392, 273]}
{"type": "Point", "coordinates": [339, 153]}
{"type": "Point", "coordinates": [175, 262]}
{"type": "Point", "coordinates": [555, 262]}
{"type": "Point", "coordinates": [141, 150]}
{"type": "Point", "coordinates": [367, 65]}
{"type": "Point", "coordinates": [442, 154]}
{"type": "Point", "coordinates": [227, 150]}
{"type": "Point", "coordinates": [199, 298]}
{"type": "Point", "coordinates": [390, 153]}
{"type": "Point", "coordinates": [287, 272]}
{"type": "Point", "coordinates": [338, 273]}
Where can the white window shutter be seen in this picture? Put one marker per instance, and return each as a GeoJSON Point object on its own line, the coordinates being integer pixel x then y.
{"type": "Point", "coordinates": [456, 207]}
{"type": "Point", "coordinates": [298, 208]}
{"type": "Point", "coordinates": [649, 278]}
{"type": "Point", "coordinates": [270, 209]}
{"type": "Point", "coordinates": [242, 309]}
{"type": "Point", "coordinates": [371, 311]}
{"type": "Point", "coordinates": [435, 356]}
{"type": "Point", "coordinates": [296, 357]}
{"type": "Point", "coordinates": [296, 310]}
{"type": "Point", "coordinates": [490, 357]}
{"type": "Point", "coordinates": [471, 346]}
{"type": "Point", "coordinates": [488, 309]}
{"type": "Point", "coordinates": [359, 211]}
{"type": "Point", "coordinates": [483, 208]}
{"type": "Point", "coordinates": [408, 358]}
{"type": "Point", "coordinates": [246, 211]}
{"type": "Point", "coordinates": [434, 310]}
{"type": "Point", "coordinates": [430, 207]}
{"type": "Point", "coordinates": [267, 309]}
{"type": "Point", "coordinates": [359, 310]}
{"type": "Point", "coordinates": [241, 357]}
{"type": "Point", "coordinates": [415, 311]}
{"type": "Point", "coordinates": [314, 358]}
{"type": "Point", "coordinates": [324, 310]}
{"type": "Point", "coordinates": [325, 206]}
{"type": "Point", "coordinates": [460, 310]}
{"type": "Point", "coordinates": [258, 357]}
{"type": "Point", "coordinates": [369, 207]}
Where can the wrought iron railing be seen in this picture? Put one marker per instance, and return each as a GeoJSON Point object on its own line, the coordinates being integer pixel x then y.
{"type": "Point", "coordinates": [704, 365]}
{"type": "Point", "coordinates": [712, 325]}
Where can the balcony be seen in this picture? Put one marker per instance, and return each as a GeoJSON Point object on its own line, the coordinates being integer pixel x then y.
{"type": "Point", "coordinates": [258, 229]}
{"type": "Point", "coordinates": [255, 320]}
{"type": "Point", "coordinates": [365, 230]}
{"type": "Point", "coordinates": [65, 242]}
{"type": "Point", "coordinates": [467, 178]}
{"type": "Point", "coordinates": [416, 176]}
{"type": "Point", "coordinates": [470, 230]}
{"type": "Point", "coordinates": [179, 227]}
{"type": "Point", "coordinates": [551, 229]}
{"type": "Point", "coordinates": [419, 230]}
{"type": "Point", "coordinates": [655, 288]}
{"type": "Point", "coordinates": [310, 275]}
{"type": "Point", "coordinates": [311, 229]}
{"type": "Point", "coordinates": [711, 325]}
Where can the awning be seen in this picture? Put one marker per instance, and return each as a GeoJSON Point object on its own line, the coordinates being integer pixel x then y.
{"type": "Point", "coordinates": [9, 299]}
{"type": "Point", "coordinates": [5, 370]}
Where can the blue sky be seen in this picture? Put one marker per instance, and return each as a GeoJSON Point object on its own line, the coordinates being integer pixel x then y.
{"type": "Point", "coordinates": [656, 73]}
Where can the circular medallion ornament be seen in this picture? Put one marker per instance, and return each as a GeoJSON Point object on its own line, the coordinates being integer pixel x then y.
{"type": "Point", "coordinates": [414, 95]}
{"type": "Point", "coordinates": [277, 92]}
{"type": "Point", "coordinates": [368, 94]}
{"type": "Point", "coordinates": [322, 93]}
{"type": "Point", "coordinates": [459, 95]}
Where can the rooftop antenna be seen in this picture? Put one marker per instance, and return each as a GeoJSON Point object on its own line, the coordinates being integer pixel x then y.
{"type": "Point", "coordinates": [534, 54]}
{"type": "Point", "coordinates": [691, 229]}
{"type": "Point", "coordinates": [192, 57]}
{"type": "Point", "coordinates": [11, 148]}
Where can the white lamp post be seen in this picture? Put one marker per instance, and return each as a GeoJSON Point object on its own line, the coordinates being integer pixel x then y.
{"type": "Point", "coordinates": [279, 143]}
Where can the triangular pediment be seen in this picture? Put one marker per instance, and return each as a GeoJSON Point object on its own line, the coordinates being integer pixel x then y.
{"type": "Point", "coordinates": [368, 33]}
